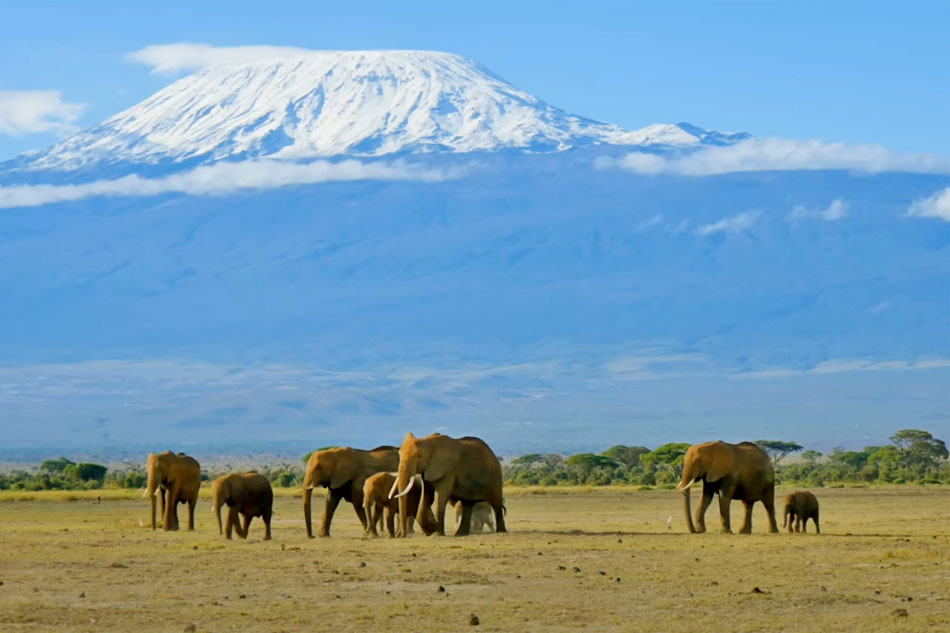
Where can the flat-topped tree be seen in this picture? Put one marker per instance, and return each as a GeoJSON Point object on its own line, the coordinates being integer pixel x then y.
{"type": "Point", "coordinates": [919, 447]}
{"type": "Point", "coordinates": [777, 450]}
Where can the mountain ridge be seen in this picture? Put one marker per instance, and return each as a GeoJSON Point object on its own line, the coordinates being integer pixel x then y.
{"type": "Point", "coordinates": [323, 104]}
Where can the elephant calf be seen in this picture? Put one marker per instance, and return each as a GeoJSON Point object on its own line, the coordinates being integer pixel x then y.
{"type": "Point", "coordinates": [248, 494]}
{"type": "Point", "coordinates": [482, 515]}
{"type": "Point", "coordinates": [376, 499]}
{"type": "Point", "coordinates": [799, 507]}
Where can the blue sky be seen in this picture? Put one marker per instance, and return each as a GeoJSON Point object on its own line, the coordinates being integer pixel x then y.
{"type": "Point", "coordinates": [867, 72]}
{"type": "Point", "coordinates": [635, 296]}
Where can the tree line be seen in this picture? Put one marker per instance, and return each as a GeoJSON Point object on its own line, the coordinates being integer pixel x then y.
{"type": "Point", "coordinates": [913, 456]}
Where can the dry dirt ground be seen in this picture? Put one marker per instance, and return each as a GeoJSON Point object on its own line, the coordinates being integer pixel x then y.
{"type": "Point", "coordinates": [600, 560]}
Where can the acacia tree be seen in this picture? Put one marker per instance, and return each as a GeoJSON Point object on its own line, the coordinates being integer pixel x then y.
{"type": "Point", "coordinates": [587, 462]}
{"type": "Point", "coordinates": [671, 454]}
{"type": "Point", "coordinates": [529, 459]}
{"type": "Point", "coordinates": [777, 450]}
{"type": "Point", "coordinates": [919, 447]}
{"type": "Point", "coordinates": [626, 455]}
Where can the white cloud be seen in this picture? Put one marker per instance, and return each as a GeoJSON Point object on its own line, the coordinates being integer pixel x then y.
{"type": "Point", "coordinates": [222, 178]}
{"type": "Point", "coordinates": [30, 111]}
{"type": "Point", "coordinates": [772, 154]}
{"type": "Point", "coordinates": [733, 224]}
{"type": "Point", "coordinates": [837, 210]}
{"type": "Point", "coordinates": [935, 206]}
{"type": "Point", "coordinates": [845, 365]}
{"type": "Point", "coordinates": [881, 307]}
{"type": "Point", "coordinates": [650, 223]}
{"type": "Point", "coordinates": [171, 58]}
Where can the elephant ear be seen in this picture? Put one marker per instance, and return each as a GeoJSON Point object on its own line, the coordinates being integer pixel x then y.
{"type": "Point", "coordinates": [344, 469]}
{"type": "Point", "coordinates": [720, 461]}
{"type": "Point", "coordinates": [438, 467]}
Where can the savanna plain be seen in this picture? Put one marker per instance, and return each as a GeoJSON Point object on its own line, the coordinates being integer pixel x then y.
{"type": "Point", "coordinates": [599, 559]}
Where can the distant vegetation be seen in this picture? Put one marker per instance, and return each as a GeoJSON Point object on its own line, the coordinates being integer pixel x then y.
{"type": "Point", "coordinates": [913, 456]}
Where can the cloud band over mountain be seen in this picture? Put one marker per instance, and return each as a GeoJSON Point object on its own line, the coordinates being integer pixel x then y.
{"type": "Point", "coordinates": [221, 179]}
{"type": "Point", "coordinates": [773, 154]}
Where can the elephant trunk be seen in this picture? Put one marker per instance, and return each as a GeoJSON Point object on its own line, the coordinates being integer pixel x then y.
{"type": "Point", "coordinates": [216, 508]}
{"type": "Point", "coordinates": [686, 509]}
{"type": "Point", "coordinates": [421, 517]}
{"type": "Point", "coordinates": [404, 479]}
{"type": "Point", "coordinates": [788, 510]}
{"type": "Point", "coordinates": [307, 494]}
{"type": "Point", "coordinates": [150, 492]}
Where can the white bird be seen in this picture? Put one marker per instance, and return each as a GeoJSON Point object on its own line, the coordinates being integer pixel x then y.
{"type": "Point", "coordinates": [669, 523]}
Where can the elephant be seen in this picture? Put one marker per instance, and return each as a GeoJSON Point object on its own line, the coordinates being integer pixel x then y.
{"type": "Point", "coordinates": [180, 476]}
{"type": "Point", "coordinates": [481, 516]}
{"type": "Point", "coordinates": [248, 494]}
{"type": "Point", "coordinates": [735, 471]}
{"type": "Point", "coordinates": [343, 471]}
{"type": "Point", "coordinates": [463, 469]}
{"type": "Point", "coordinates": [376, 498]}
{"type": "Point", "coordinates": [799, 507]}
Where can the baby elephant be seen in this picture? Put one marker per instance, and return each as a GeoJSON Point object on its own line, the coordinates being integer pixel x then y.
{"type": "Point", "coordinates": [482, 515]}
{"type": "Point", "coordinates": [248, 494]}
{"type": "Point", "coordinates": [376, 498]}
{"type": "Point", "coordinates": [799, 507]}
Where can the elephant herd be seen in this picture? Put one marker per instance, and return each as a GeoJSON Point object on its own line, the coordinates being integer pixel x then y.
{"type": "Point", "coordinates": [419, 479]}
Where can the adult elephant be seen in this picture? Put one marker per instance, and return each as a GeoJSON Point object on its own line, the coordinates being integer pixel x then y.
{"type": "Point", "coordinates": [247, 494]}
{"type": "Point", "coordinates": [179, 476]}
{"type": "Point", "coordinates": [735, 471]}
{"type": "Point", "coordinates": [343, 471]}
{"type": "Point", "coordinates": [463, 469]}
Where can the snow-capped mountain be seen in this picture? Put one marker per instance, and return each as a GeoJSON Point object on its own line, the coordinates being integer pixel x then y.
{"type": "Point", "coordinates": [311, 104]}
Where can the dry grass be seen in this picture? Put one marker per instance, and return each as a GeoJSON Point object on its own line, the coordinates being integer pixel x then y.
{"type": "Point", "coordinates": [557, 570]}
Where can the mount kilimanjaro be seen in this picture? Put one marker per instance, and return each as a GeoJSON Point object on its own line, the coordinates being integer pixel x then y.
{"type": "Point", "coordinates": [307, 105]}
{"type": "Point", "coordinates": [467, 259]}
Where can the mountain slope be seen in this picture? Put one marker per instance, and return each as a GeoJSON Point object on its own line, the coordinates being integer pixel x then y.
{"type": "Point", "coordinates": [364, 103]}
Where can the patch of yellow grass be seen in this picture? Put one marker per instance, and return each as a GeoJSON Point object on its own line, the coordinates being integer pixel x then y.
{"type": "Point", "coordinates": [87, 566]}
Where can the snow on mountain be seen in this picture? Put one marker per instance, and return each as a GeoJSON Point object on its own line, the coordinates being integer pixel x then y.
{"type": "Point", "coordinates": [311, 104]}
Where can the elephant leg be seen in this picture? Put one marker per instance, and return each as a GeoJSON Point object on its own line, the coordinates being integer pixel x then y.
{"type": "Point", "coordinates": [371, 510]}
{"type": "Point", "coordinates": [247, 524]}
{"type": "Point", "coordinates": [191, 512]}
{"type": "Point", "coordinates": [171, 509]}
{"type": "Point", "coordinates": [441, 500]}
{"type": "Point", "coordinates": [265, 517]}
{"type": "Point", "coordinates": [233, 523]}
{"type": "Point", "coordinates": [701, 510]}
{"type": "Point", "coordinates": [724, 502]}
{"type": "Point", "coordinates": [361, 514]}
{"type": "Point", "coordinates": [465, 523]}
{"type": "Point", "coordinates": [333, 500]}
{"type": "Point", "coordinates": [391, 521]}
{"type": "Point", "coordinates": [747, 521]}
{"type": "Point", "coordinates": [768, 500]}
{"type": "Point", "coordinates": [500, 518]}
{"type": "Point", "coordinates": [814, 520]}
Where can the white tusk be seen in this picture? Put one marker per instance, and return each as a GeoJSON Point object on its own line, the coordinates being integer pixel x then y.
{"type": "Point", "coordinates": [408, 488]}
{"type": "Point", "coordinates": [682, 488]}
{"type": "Point", "coordinates": [392, 490]}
